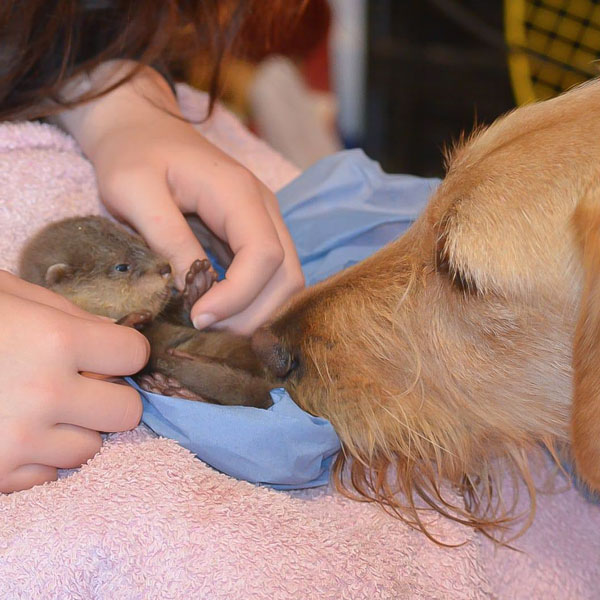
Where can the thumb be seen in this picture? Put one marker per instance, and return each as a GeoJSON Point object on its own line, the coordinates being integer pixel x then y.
{"type": "Point", "coordinates": [170, 236]}
{"type": "Point", "coordinates": [149, 208]}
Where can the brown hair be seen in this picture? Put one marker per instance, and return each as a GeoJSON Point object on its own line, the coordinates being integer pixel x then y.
{"type": "Point", "coordinates": [45, 42]}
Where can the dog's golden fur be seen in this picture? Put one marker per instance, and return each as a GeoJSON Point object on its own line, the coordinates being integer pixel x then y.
{"type": "Point", "coordinates": [449, 353]}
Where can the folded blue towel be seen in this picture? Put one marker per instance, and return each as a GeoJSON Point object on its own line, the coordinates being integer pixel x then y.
{"type": "Point", "coordinates": [345, 207]}
{"type": "Point", "coordinates": [282, 446]}
{"type": "Point", "coordinates": [339, 211]}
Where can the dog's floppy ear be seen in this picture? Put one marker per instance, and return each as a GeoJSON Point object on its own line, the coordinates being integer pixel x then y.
{"type": "Point", "coordinates": [499, 236]}
{"type": "Point", "coordinates": [585, 420]}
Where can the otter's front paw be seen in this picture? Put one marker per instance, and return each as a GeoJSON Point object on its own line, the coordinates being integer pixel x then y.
{"type": "Point", "coordinates": [157, 383]}
{"type": "Point", "coordinates": [198, 281]}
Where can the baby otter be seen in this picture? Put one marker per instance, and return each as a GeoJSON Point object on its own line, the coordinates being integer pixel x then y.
{"type": "Point", "coordinates": [99, 266]}
{"type": "Point", "coordinates": [104, 269]}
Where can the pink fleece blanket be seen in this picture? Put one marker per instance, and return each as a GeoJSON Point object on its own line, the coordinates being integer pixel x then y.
{"type": "Point", "coordinates": [145, 519]}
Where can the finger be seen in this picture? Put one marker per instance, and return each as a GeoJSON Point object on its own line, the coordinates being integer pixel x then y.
{"type": "Point", "coordinates": [26, 476]}
{"type": "Point", "coordinates": [100, 406]}
{"type": "Point", "coordinates": [258, 255]}
{"type": "Point", "coordinates": [65, 446]}
{"type": "Point", "coordinates": [274, 294]}
{"type": "Point", "coordinates": [170, 236]}
{"type": "Point", "coordinates": [150, 209]}
{"type": "Point", "coordinates": [287, 280]}
{"type": "Point", "coordinates": [108, 349]}
{"type": "Point", "coordinates": [11, 284]}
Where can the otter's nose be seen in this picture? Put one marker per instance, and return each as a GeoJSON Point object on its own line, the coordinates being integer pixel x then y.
{"type": "Point", "coordinates": [273, 354]}
{"type": "Point", "coordinates": [164, 270]}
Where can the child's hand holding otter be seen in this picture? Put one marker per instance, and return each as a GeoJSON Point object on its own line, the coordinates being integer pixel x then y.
{"type": "Point", "coordinates": [153, 166]}
{"type": "Point", "coordinates": [50, 414]}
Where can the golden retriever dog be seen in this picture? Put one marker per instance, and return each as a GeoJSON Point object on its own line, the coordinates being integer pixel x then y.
{"type": "Point", "coordinates": [474, 338]}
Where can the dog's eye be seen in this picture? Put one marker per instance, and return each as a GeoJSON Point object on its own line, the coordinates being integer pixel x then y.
{"type": "Point", "coordinates": [461, 281]}
{"type": "Point", "coordinates": [122, 267]}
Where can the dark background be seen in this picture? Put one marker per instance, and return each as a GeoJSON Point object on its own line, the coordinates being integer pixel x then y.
{"type": "Point", "coordinates": [429, 77]}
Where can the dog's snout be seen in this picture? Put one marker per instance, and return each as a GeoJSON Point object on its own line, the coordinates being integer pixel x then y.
{"type": "Point", "coordinates": [273, 354]}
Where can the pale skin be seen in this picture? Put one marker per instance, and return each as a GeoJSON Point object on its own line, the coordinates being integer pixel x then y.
{"type": "Point", "coordinates": [151, 167]}
{"type": "Point", "coordinates": [50, 413]}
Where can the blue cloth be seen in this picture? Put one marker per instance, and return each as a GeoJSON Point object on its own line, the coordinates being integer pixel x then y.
{"type": "Point", "coordinates": [339, 211]}
{"type": "Point", "coordinates": [345, 207]}
{"type": "Point", "coordinates": [283, 446]}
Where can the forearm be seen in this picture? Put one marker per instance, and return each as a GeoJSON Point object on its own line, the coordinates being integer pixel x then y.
{"type": "Point", "coordinates": [132, 104]}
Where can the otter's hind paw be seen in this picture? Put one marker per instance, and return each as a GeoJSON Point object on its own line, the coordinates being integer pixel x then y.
{"type": "Point", "coordinates": [157, 383]}
{"type": "Point", "coordinates": [198, 281]}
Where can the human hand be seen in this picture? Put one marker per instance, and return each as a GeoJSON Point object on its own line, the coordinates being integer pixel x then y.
{"type": "Point", "coordinates": [50, 414]}
{"type": "Point", "coordinates": [152, 166]}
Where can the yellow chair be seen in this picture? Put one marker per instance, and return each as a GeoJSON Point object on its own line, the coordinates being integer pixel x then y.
{"type": "Point", "coordinates": [553, 45]}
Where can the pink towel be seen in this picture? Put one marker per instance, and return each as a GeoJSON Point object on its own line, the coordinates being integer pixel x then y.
{"type": "Point", "coordinates": [145, 519]}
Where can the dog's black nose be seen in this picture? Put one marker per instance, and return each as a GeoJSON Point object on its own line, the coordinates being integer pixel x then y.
{"type": "Point", "coordinates": [273, 354]}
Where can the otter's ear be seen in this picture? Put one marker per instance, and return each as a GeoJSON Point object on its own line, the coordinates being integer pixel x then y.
{"type": "Point", "coordinates": [57, 273]}
{"type": "Point", "coordinates": [585, 420]}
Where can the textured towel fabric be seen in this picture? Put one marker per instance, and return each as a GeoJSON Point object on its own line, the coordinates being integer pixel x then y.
{"type": "Point", "coordinates": [145, 520]}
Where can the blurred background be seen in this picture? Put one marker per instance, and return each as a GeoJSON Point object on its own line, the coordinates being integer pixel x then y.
{"type": "Point", "coordinates": [402, 79]}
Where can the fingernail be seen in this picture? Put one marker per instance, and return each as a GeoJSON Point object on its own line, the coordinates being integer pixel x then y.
{"type": "Point", "coordinates": [204, 320]}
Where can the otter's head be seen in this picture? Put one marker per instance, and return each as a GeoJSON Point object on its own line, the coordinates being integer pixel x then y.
{"type": "Point", "coordinates": [99, 266]}
{"type": "Point", "coordinates": [450, 349]}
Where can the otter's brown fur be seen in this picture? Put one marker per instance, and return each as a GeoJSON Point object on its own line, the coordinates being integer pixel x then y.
{"type": "Point", "coordinates": [449, 353]}
{"type": "Point", "coordinates": [99, 266]}
{"type": "Point", "coordinates": [220, 366]}
{"type": "Point", "coordinates": [106, 270]}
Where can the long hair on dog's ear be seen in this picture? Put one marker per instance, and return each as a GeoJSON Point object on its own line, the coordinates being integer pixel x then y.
{"type": "Point", "coordinates": [585, 421]}
{"type": "Point", "coordinates": [410, 487]}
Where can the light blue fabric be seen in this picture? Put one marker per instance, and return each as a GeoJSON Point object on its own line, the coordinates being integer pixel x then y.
{"type": "Point", "coordinates": [344, 208]}
{"type": "Point", "coordinates": [283, 446]}
{"type": "Point", "coordinates": [339, 211]}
